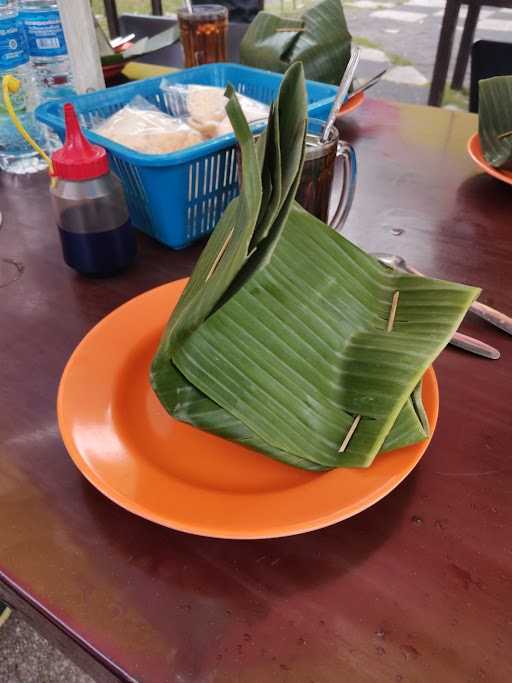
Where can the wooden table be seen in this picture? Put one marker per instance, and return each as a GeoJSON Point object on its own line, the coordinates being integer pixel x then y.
{"type": "Point", "coordinates": [415, 589]}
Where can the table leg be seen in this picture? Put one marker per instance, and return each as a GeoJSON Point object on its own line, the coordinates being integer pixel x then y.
{"type": "Point", "coordinates": [112, 18]}
{"type": "Point", "coordinates": [444, 50]}
{"type": "Point", "coordinates": [156, 7]}
{"type": "Point", "coordinates": [465, 46]}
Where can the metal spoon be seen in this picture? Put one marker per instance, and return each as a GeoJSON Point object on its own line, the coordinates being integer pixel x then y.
{"type": "Point", "coordinates": [342, 92]}
{"type": "Point", "coordinates": [504, 322]}
{"type": "Point", "coordinates": [460, 340]}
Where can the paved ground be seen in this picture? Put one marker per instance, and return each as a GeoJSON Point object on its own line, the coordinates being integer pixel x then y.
{"type": "Point", "coordinates": [25, 657]}
{"type": "Point", "coordinates": [402, 35]}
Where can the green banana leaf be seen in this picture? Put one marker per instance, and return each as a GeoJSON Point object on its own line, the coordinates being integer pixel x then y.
{"type": "Point", "coordinates": [495, 118]}
{"type": "Point", "coordinates": [319, 39]}
{"type": "Point", "coordinates": [279, 340]}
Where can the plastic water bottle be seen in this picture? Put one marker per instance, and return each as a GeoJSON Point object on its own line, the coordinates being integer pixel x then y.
{"type": "Point", "coordinates": [47, 48]}
{"type": "Point", "coordinates": [16, 155]}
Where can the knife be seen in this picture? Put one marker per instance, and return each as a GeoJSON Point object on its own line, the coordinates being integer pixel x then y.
{"type": "Point", "coordinates": [373, 81]}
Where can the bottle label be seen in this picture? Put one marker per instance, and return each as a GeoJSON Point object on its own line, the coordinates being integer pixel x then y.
{"type": "Point", "coordinates": [13, 47]}
{"type": "Point", "coordinates": [44, 33]}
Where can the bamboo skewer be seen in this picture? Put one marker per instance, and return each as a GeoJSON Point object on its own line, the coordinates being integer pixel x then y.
{"type": "Point", "coordinates": [392, 311]}
{"type": "Point", "coordinates": [349, 435]}
{"type": "Point", "coordinates": [220, 254]}
{"type": "Point", "coordinates": [357, 419]}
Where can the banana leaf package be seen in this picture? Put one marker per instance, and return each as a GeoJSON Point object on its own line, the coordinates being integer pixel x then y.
{"type": "Point", "coordinates": [495, 120]}
{"type": "Point", "coordinates": [284, 338]}
{"type": "Point", "coordinates": [319, 39]}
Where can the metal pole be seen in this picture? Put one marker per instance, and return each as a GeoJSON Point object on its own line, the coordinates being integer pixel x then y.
{"type": "Point", "coordinates": [156, 7]}
{"type": "Point", "coordinates": [80, 33]}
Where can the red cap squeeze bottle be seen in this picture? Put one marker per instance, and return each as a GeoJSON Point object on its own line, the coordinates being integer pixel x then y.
{"type": "Point", "coordinates": [96, 234]}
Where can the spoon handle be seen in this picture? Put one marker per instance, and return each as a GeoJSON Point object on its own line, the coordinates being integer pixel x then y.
{"type": "Point", "coordinates": [343, 87]}
{"type": "Point", "coordinates": [491, 315]}
{"type": "Point", "coordinates": [462, 341]}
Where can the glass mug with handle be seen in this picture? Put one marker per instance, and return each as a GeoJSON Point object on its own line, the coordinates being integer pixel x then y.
{"type": "Point", "coordinates": [316, 183]}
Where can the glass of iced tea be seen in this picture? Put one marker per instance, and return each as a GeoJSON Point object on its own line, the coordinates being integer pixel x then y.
{"type": "Point", "coordinates": [317, 188]}
{"type": "Point", "coordinates": [204, 34]}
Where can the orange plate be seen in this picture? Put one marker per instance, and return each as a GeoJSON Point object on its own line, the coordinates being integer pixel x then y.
{"type": "Point", "coordinates": [475, 152]}
{"type": "Point", "coordinates": [126, 445]}
{"type": "Point", "coordinates": [351, 104]}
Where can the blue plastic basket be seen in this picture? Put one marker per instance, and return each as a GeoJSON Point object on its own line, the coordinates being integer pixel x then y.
{"type": "Point", "coordinates": [178, 198]}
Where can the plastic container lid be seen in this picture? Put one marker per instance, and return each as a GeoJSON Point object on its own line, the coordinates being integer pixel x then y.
{"type": "Point", "coordinates": [78, 159]}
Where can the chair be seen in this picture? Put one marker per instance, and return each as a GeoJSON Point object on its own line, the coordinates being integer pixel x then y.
{"type": "Point", "coordinates": [488, 58]}
{"type": "Point", "coordinates": [144, 24]}
{"type": "Point", "coordinates": [242, 11]}
{"type": "Point", "coordinates": [113, 18]}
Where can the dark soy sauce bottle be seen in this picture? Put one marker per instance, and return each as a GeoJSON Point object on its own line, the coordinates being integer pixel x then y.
{"type": "Point", "coordinates": [95, 230]}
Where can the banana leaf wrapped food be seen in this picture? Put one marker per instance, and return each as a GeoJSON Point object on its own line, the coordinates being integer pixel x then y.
{"type": "Point", "coordinates": [282, 340]}
{"type": "Point", "coordinates": [495, 120]}
{"type": "Point", "coordinates": [319, 39]}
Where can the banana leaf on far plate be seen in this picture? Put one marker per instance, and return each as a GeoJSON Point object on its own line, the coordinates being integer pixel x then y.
{"type": "Point", "coordinates": [494, 119]}
{"type": "Point", "coordinates": [280, 338]}
{"type": "Point", "coordinates": [319, 39]}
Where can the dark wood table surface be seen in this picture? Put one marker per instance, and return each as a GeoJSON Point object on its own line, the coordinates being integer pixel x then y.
{"type": "Point", "coordinates": [416, 588]}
